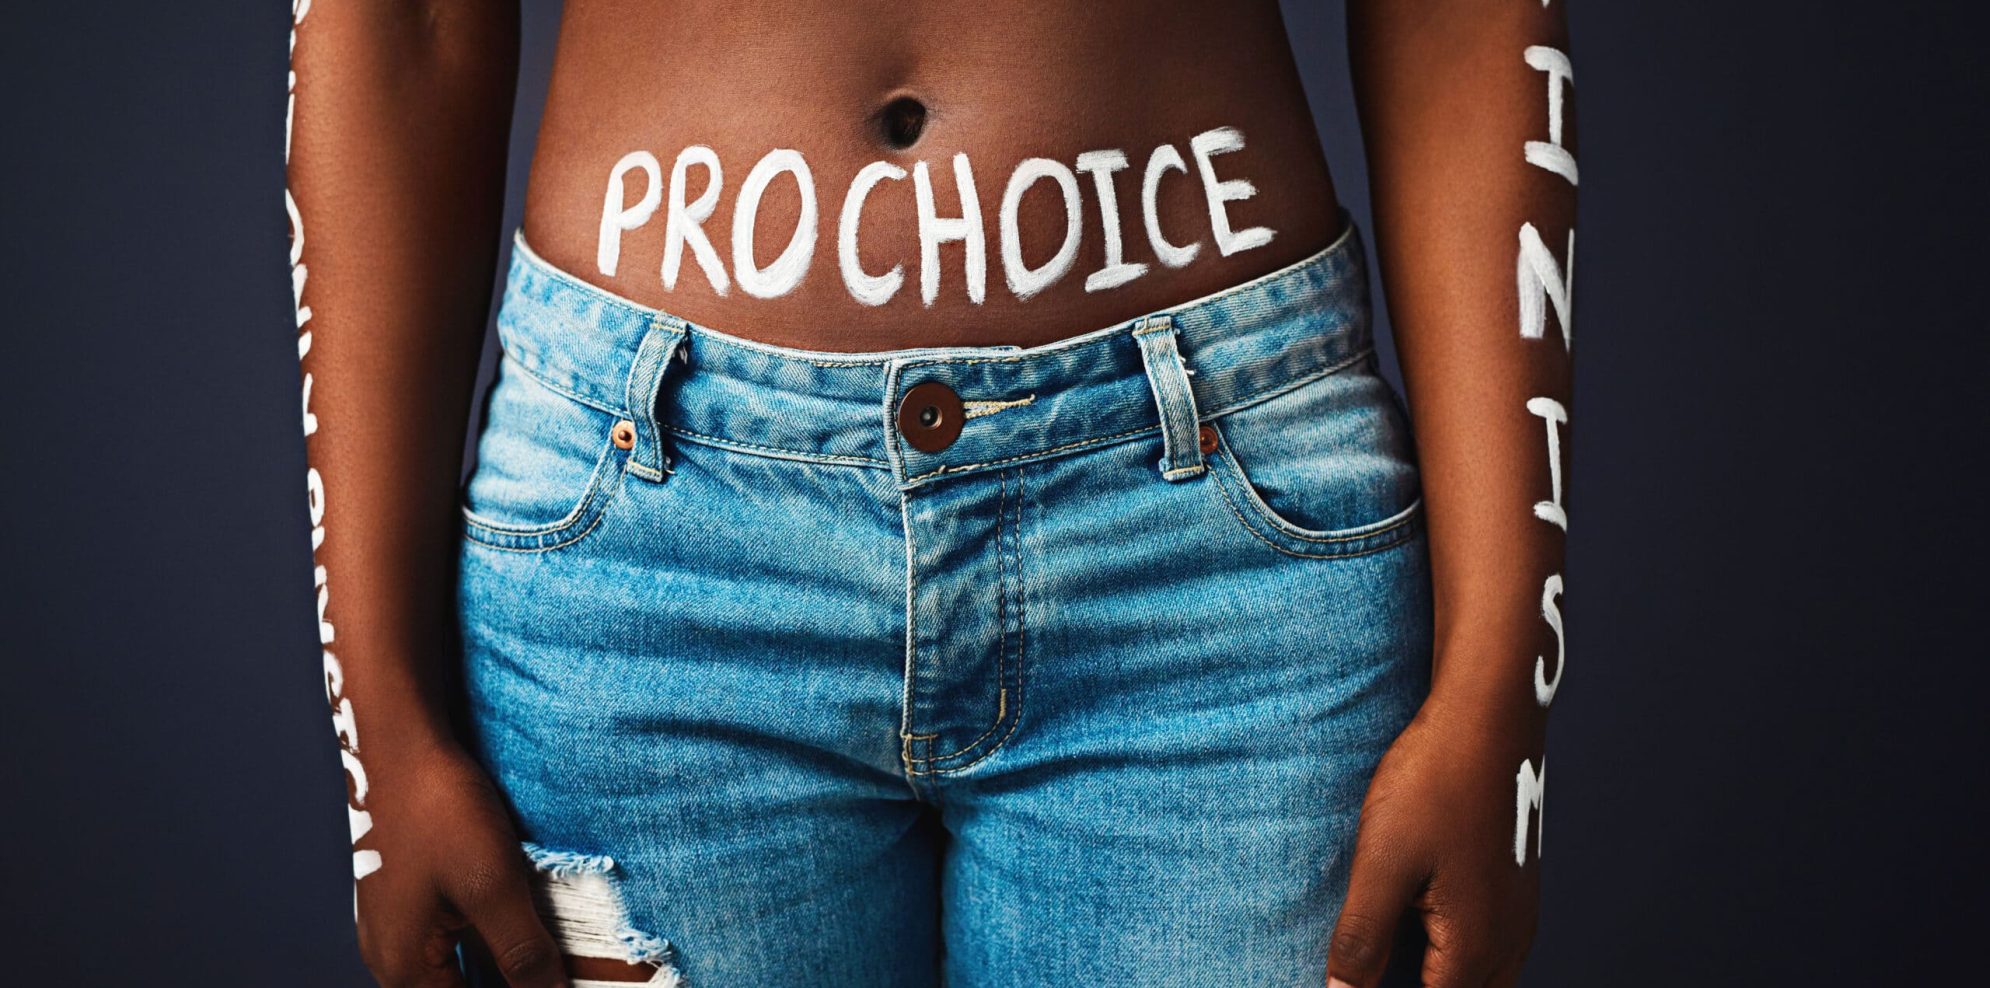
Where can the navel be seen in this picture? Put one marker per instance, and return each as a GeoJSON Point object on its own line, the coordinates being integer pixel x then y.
{"type": "Point", "coordinates": [900, 122]}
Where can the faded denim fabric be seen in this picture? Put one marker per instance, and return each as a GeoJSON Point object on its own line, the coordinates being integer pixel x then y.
{"type": "Point", "coordinates": [1070, 701]}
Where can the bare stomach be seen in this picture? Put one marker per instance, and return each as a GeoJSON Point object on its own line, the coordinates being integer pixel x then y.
{"type": "Point", "coordinates": [797, 172]}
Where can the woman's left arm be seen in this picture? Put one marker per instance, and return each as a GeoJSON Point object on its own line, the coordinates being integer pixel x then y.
{"type": "Point", "coordinates": [1468, 113]}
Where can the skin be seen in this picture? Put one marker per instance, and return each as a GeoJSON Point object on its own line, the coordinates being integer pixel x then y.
{"type": "Point", "coordinates": [396, 166]}
{"type": "Point", "coordinates": [816, 85]}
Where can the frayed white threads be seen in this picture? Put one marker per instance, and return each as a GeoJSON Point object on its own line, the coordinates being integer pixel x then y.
{"type": "Point", "coordinates": [663, 977]}
{"type": "Point", "coordinates": [577, 897]}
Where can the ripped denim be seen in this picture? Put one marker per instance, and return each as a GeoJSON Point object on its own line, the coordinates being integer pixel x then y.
{"type": "Point", "coordinates": [1066, 665]}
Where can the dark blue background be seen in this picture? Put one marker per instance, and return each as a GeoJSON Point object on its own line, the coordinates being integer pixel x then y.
{"type": "Point", "coordinates": [1767, 762]}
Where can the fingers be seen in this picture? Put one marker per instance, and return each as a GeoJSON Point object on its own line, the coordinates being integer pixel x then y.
{"type": "Point", "coordinates": [498, 902]}
{"type": "Point", "coordinates": [1506, 973]}
{"type": "Point", "coordinates": [405, 940]}
{"type": "Point", "coordinates": [1380, 889]}
{"type": "Point", "coordinates": [1455, 969]}
{"type": "Point", "coordinates": [1464, 951]}
{"type": "Point", "coordinates": [1507, 977]}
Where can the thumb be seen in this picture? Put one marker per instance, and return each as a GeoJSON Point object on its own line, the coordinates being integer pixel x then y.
{"type": "Point", "coordinates": [1379, 892]}
{"type": "Point", "coordinates": [500, 908]}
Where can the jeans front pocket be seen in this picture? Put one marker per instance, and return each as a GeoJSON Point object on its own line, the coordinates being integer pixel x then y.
{"type": "Point", "coordinates": [1322, 470]}
{"type": "Point", "coordinates": [548, 466]}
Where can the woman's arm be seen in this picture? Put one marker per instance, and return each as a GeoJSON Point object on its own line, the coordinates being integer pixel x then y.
{"type": "Point", "coordinates": [396, 151]}
{"type": "Point", "coordinates": [1468, 113]}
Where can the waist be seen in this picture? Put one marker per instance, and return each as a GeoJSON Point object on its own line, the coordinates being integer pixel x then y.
{"type": "Point", "coordinates": [929, 412]}
{"type": "Point", "coordinates": [955, 175]}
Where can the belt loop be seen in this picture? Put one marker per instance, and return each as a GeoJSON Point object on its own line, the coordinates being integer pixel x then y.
{"type": "Point", "coordinates": [663, 341]}
{"type": "Point", "coordinates": [1167, 375]}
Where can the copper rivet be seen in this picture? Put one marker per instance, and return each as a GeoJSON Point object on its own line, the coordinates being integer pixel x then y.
{"type": "Point", "coordinates": [625, 434]}
{"type": "Point", "coordinates": [930, 416]}
{"type": "Point", "coordinates": [1206, 438]}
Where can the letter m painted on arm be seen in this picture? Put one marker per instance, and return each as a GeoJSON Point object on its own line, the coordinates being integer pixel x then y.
{"type": "Point", "coordinates": [1529, 789]}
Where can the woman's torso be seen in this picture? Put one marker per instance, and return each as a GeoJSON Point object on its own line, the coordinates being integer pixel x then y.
{"type": "Point", "coordinates": [1001, 82]}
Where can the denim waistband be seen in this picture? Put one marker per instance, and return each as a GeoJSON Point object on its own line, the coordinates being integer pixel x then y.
{"type": "Point", "coordinates": [1237, 346]}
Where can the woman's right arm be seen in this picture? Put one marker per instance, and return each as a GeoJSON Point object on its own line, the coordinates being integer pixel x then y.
{"type": "Point", "coordinates": [395, 152]}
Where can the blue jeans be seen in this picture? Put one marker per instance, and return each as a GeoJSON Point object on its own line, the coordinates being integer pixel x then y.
{"type": "Point", "coordinates": [1066, 665]}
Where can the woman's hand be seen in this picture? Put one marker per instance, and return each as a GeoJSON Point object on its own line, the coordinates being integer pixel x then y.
{"type": "Point", "coordinates": [1437, 836]}
{"type": "Point", "coordinates": [457, 868]}
{"type": "Point", "coordinates": [395, 146]}
{"type": "Point", "coordinates": [1468, 118]}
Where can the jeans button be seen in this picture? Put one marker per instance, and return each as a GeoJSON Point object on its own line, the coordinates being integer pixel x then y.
{"type": "Point", "coordinates": [930, 416]}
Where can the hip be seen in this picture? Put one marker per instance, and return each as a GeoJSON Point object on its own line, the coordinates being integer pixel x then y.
{"type": "Point", "coordinates": [1204, 509]}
